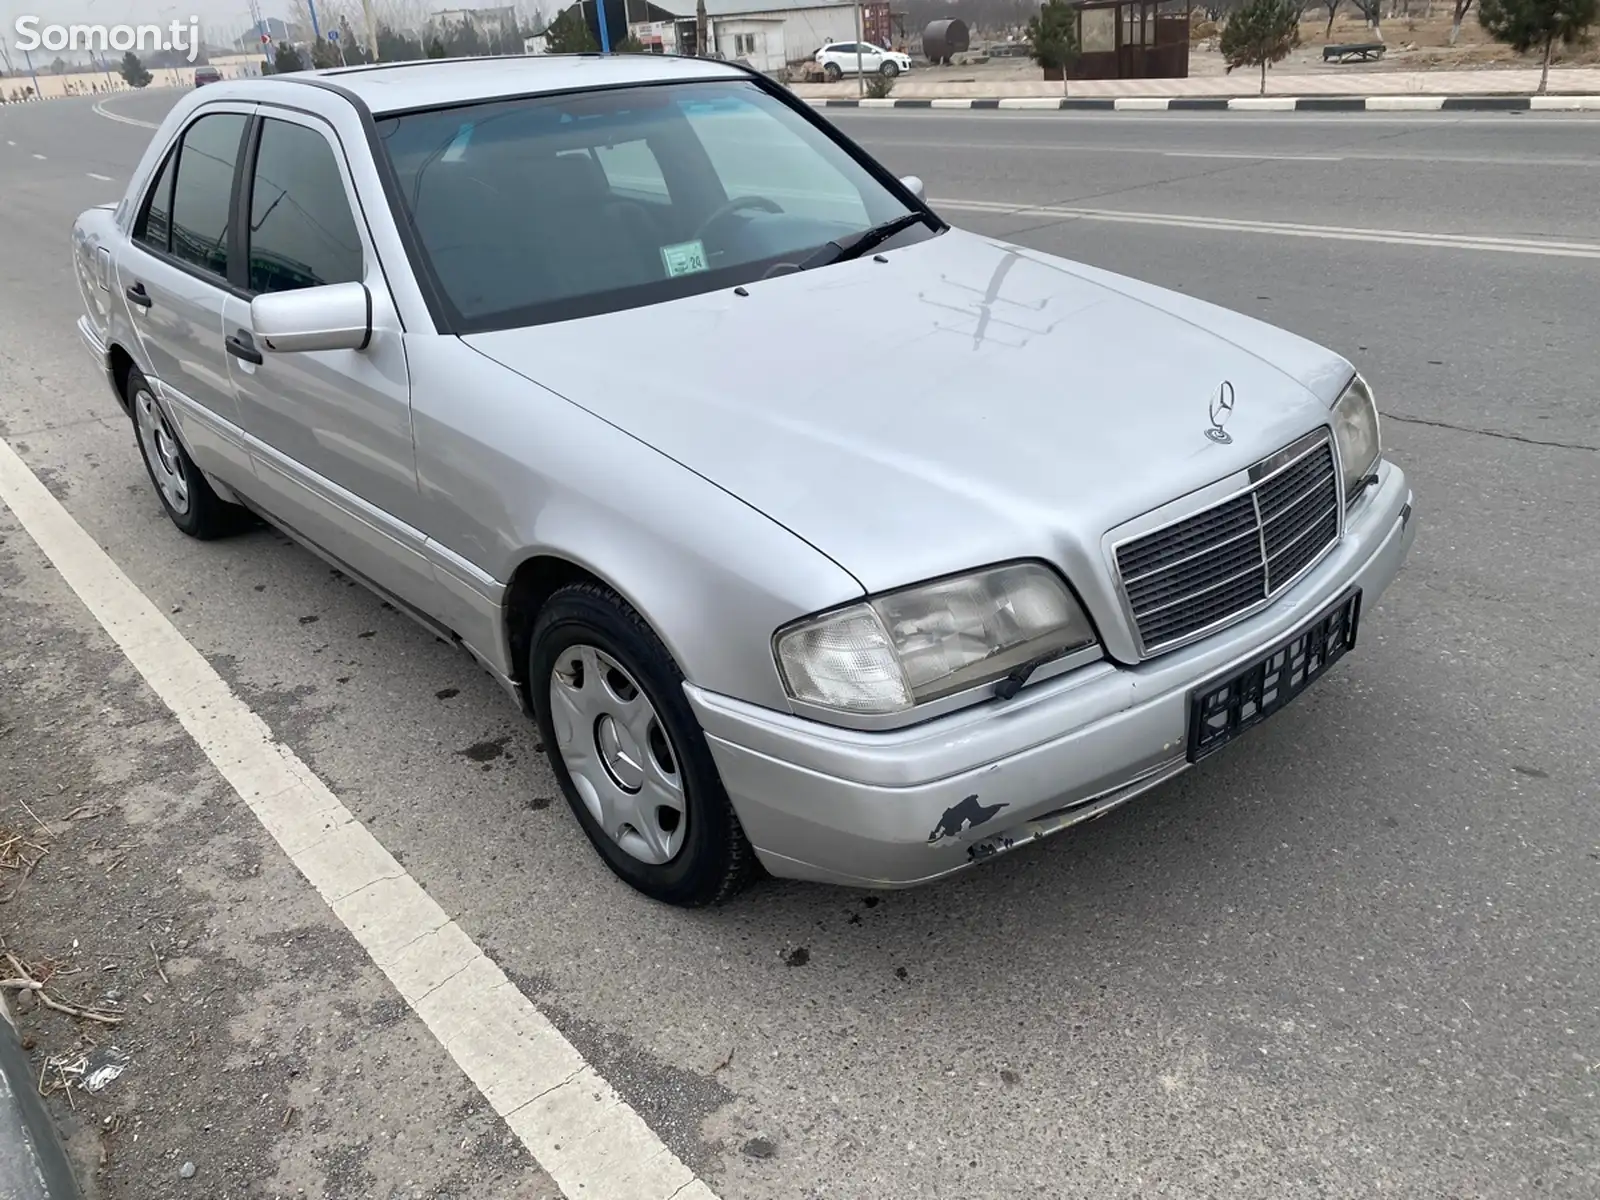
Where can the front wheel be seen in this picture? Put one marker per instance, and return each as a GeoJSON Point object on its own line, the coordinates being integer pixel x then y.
{"type": "Point", "coordinates": [889, 70]}
{"type": "Point", "coordinates": [628, 752]}
{"type": "Point", "coordinates": [190, 503]}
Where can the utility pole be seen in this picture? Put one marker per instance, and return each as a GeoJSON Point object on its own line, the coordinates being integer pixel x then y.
{"type": "Point", "coordinates": [700, 23]}
{"type": "Point", "coordinates": [37, 95]}
{"type": "Point", "coordinates": [861, 78]}
{"type": "Point", "coordinates": [316, 30]}
{"type": "Point", "coordinates": [372, 31]}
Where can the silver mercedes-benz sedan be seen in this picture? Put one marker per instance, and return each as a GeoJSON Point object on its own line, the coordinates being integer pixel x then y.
{"type": "Point", "coordinates": [813, 532]}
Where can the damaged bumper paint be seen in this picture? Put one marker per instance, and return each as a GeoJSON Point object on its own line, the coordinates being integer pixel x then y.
{"type": "Point", "coordinates": [902, 807]}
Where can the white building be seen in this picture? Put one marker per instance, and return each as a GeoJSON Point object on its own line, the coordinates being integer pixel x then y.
{"type": "Point", "coordinates": [767, 34]}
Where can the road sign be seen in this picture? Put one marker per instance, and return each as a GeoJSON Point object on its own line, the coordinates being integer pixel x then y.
{"type": "Point", "coordinates": [333, 36]}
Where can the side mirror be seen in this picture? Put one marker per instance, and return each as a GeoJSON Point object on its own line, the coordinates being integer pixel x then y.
{"type": "Point", "coordinates": [913, 184]}
{"type": "Point", "coordinates": [337, 316]}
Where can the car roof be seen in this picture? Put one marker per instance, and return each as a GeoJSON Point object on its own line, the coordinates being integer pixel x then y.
{"type": "Point", "coordinates": [439, 83]}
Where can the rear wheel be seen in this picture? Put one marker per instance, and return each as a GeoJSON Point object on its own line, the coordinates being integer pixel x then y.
{"type": "Point", "coordinates": [628, 752]}
{"type": "Point", "coordinates": [185, 494]}
{"type": "Point", "coordinates": [832, 72]}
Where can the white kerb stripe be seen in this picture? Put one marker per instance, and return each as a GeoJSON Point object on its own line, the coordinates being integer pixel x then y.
{"type": "Point", "coordinates": [589, 1140]}
{"type": "Point", "coordinates": [1029, 102]}
{"type": "Point", "coordinates": [869, 102]}
{"type": "Point", "coordinates": [1262, 103]}
{"type": "Point", "coordinates": [1404, 103]}
{"type": "Point", "coordinates": [952, 104]}
{"type": "Point", "coordinates": [1564, 103]}
{"type": "Point", "coordinates": [1142, 104]}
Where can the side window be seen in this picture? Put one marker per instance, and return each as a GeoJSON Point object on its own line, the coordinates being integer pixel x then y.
{"type": "Point", "coordinates": [203, 195]}
{"type": "Point", "coordinates": [632, 167]}
{"type": "Point", "coordinates": [154, 228]}
{"type": "Point", "coordinates": [302, 232]}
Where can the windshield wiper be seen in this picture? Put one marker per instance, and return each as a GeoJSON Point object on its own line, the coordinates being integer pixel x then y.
{"type": "Point", "coordinates": [854, 245]}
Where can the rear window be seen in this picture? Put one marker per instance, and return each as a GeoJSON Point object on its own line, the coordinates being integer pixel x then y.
{"type": "Point", "coordinates": [556, 207]}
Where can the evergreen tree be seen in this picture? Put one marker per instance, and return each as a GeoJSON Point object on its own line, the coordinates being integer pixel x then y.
{"type": "Point", "coordinates": [1526, 25]}
{"type": "Point", "coordinates": [1260, 32]}
{"type": "Point", "coordinates": [1053, 38]}
{"type": "Point", "coordinates": [287, 60]}
{"type": "Point", "coordinates": [133, 72]}
{"type": "Point", "coordinates": [569, 33]}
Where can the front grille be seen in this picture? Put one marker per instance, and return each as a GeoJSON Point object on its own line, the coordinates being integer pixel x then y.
{"type": "Point", "coordinates": [1229, 558]}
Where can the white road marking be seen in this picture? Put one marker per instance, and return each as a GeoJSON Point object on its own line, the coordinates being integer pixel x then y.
{"type": "Point", "coordinates": [9, 142]}
{"type": "Point", "coordinates": [584, 1135]}
{"type": "Point", "coordinates": [102, 110]}
{"type": "Point", "coordinates": [1262, 157]}
{"type": "Point", "coordinates": [101, 178]}
{"type": "Point", "coordinates": [40, 157]}
{"type": "Point", "coordinates": [1395, 237]}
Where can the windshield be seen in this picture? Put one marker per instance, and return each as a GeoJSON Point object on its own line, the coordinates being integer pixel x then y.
{"type": "Point", "coordinates": [554, 207]}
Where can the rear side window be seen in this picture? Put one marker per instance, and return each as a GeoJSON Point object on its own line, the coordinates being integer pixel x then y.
{"type": "Point", "coordinates": [302, 231]}
{"type": "Point", "coordinates": [203, 195]}
{"type": "Point", "coordinates": [155, 224]}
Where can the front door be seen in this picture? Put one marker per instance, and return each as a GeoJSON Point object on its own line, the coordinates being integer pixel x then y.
{"type": "Point", "coordinates": [330, 430]}
{"type": "Point", "coordinates": [173, 278]}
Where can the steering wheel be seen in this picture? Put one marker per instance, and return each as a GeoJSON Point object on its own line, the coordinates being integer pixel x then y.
{"type": "Point", "coordinates": [735, 205]}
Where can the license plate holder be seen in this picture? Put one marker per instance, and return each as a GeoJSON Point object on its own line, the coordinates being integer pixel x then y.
{"type": "Point", "coordinates": [1223, 708]}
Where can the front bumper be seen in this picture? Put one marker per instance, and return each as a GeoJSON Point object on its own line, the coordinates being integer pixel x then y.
{"type": "Point", "coordinates": [904, 807]}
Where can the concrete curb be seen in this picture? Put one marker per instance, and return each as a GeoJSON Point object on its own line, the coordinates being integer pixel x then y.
{"type": "Point", "coordinates": [1242, 103]}
{"type": "Point", "coordinates": [32, 1164]}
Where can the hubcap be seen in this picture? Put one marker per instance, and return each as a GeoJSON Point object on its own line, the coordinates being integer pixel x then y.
{"type": "Point", "coordinates": [616, 749]}
{"type": "Point", "coordinates": [161, 451]}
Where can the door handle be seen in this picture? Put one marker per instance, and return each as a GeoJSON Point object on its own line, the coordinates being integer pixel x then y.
{"type": "Point", "coordinates": [242, 346]}
{"type": "Point", "coordinates": [137, 295]}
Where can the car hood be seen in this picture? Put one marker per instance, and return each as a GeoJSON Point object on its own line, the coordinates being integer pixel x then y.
{"type": "Point", "coordinates": [958, 403]}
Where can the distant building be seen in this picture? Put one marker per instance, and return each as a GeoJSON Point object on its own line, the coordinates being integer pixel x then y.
{"type": "Point", "coordinates": [766, 34]}
{"type": "Point", "coordinates": [492, 23]}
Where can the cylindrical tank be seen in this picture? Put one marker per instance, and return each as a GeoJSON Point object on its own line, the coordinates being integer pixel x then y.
{"type": "Point", "coordinates": [943, 39]}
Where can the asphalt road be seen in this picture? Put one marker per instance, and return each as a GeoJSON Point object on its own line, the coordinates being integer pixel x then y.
{"type": "Point", "coordinates": [1359, 954]}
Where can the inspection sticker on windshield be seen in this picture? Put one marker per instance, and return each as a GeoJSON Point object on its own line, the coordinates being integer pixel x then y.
{"type": "Point", "coordinates": [684, 258]}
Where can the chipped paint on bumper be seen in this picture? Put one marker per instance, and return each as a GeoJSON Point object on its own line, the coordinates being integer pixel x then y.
{"type": "Point", "coordinates": [906, 806]}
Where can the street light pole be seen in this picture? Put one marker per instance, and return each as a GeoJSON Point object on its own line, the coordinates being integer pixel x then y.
{"type": "Point", "coordinates": [861, 79]}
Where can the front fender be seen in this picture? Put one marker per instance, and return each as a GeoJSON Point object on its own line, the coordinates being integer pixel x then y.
{"type": "Point", "coordinates": [509, 471]}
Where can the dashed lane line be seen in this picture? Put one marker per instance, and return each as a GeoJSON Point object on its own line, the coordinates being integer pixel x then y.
{"type": "Point", "coordinates": [100, 177]}
{"type": "Point", "coordinates": [584, 1135]}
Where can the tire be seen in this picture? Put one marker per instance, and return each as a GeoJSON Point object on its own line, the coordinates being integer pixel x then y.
{"type": "Point", "coordinates": [190, 503]}
{"type": "Point", "coordinates": [889, 70]}
{"type": "Point", "coordinates": [832, 72]}
{"type": "Point", "coordinates": [592, 660]}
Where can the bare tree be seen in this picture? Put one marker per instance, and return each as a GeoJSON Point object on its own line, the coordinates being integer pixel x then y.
{"type": "Point", "coordinates": [1333, 9]}
{"type": "Point", "coordinates": [1461, 7]}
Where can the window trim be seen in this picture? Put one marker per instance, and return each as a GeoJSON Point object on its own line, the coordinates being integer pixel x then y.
{"type": "Point", "coordinates": [245, 195]}
{"type": "Point", "coordinates": [175, 154]}
{"type": "Point", "coordinates": [141, 219]}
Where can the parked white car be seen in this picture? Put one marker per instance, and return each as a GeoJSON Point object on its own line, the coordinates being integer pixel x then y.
{"type": "Point", "coordinates": [846, 58]}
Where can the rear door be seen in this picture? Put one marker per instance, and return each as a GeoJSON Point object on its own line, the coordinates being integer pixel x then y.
{"type": "Point", "coordinates": [330, 430]}
{"type": "Point", "coordinates": [173, 278]}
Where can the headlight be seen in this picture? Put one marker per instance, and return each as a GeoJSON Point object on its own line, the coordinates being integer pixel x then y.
{"type": "Point", "coordinates": [1355, 427]}
{"type": "Point", "coordinates": [902, 649]}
